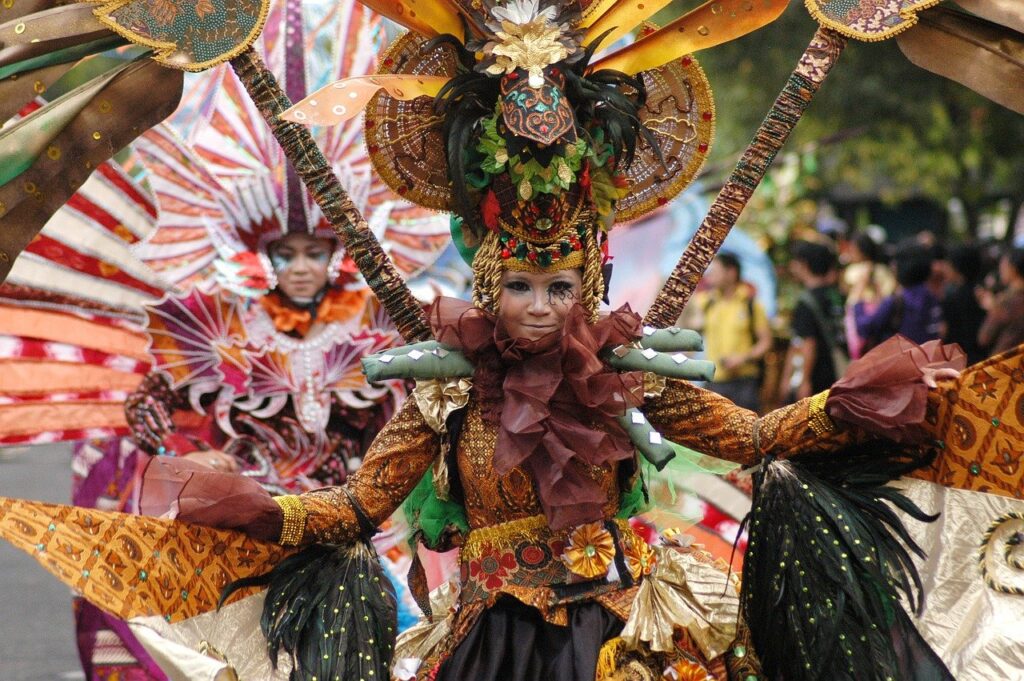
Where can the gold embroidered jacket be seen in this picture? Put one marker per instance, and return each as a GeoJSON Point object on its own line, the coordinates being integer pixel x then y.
{"type": "Point", "coordinates": [690, 416]}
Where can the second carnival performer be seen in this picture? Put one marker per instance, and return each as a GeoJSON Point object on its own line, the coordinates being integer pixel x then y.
{"type": "Point", "coordinates": [256, 343]}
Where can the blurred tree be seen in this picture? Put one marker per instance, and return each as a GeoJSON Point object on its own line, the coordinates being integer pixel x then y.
{"type": "Point", "coordinates": [883, 129]}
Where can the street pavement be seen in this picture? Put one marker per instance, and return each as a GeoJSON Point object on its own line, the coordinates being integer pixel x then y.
{"type": "Point", "coordinates": [37, 640]}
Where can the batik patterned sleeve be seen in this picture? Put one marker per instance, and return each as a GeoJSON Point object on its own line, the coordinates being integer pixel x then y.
{"type": "Point", "coordinates": [396, 461]}
{"type": "Point", "coordinates": [711, 424]}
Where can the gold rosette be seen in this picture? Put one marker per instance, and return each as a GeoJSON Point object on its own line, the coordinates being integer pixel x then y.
{"type": "Point", "coordinates": [437, 398]}
{"type": "Point", "coordinates": [684, 591]}
{"type": "Point", "coordinates": [639, 556]}
{"type": "Point", "coordinates": [590, 551]}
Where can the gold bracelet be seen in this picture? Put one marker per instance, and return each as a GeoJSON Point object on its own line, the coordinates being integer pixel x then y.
{"type": "Point", "coordinates": [819, 421]}
{"type": "Point", "coordinates": [294, 519]}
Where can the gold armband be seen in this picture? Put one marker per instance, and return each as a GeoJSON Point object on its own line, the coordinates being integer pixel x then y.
{"type": "Point", "coordinates": [294, 519]}
{"type": "Point", "coordinates": [819, 421]}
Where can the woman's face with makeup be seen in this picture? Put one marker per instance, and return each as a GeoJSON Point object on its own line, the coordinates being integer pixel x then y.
{"type": "Point", "coordinates": [534, 304]}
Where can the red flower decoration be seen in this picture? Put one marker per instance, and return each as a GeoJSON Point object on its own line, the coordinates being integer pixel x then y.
{"type": "Point", "coordinates": [492, 570]}
{"type": "Point", "coordinates": [490, 210]}
{"type": "Point", "coordinates": [584, 178]}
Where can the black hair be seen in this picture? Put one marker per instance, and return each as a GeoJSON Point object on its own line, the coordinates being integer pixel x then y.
{"type": "Point", "coordinates": [730, 261]}
{"type": "Point", "coordinates": [968, 262]}
{"type": "Point", "coordinates": [1016, 258]}
{"type": "Point", "coordinates": [820, 259]}
{"type": "Point", "coordinates": [913, 265]}
{"type": "Point", "coordinates": [871, 249]}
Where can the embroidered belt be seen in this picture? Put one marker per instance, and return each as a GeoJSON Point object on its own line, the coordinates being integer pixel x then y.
{"type": "Point", "coordinates": [543, 567]}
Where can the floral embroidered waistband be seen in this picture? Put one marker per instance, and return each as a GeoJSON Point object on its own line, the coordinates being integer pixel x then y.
{"type": "Point", "coordinates": [542, 567]}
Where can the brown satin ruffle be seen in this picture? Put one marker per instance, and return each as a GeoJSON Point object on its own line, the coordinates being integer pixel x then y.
{"type": "Point", "coordinates": [558, 400]}
{"type": "Point", "coordinates": [882, 392]}
{"type": "Point", "coordinates": [193, 493]}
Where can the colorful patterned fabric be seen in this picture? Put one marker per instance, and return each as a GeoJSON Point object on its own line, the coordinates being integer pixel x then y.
{"type": "Point", "coordinates": [980, 425]}
{"type": "Point", "coordinates": [868, 20]}
{"type": "Point", "coordinates": [131, 565]}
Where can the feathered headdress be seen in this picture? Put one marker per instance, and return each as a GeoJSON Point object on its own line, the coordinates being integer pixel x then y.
{"type": "Point", "coordinates": [499, 113]}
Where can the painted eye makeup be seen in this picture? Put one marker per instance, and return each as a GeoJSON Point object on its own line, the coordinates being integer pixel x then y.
{"type": "Point", "coordinates": [281, 261]}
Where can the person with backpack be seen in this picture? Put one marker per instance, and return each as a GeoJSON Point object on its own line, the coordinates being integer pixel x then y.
{"type": "Point", "coordinates": [913, 311]}
{"type": "Point", "coordinates": [736, 333]}
{"type": "Point", "coordinates": [817, 353]}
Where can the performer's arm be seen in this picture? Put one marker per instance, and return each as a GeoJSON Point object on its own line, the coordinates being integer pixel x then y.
{"type": "Point", "coordinates": [395, 462]}
{"type": "Point", "coordinates": [713, 425]}
{"type": "Point", "coordinates": [883, 394]}
{"type": "Point", "coordinates": [149, 411]}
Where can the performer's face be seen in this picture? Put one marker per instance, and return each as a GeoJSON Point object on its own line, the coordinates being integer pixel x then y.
{"type": "Point", "coordinates": [300, 262]}
{"type": "Point", "coordinates": [533, 304]}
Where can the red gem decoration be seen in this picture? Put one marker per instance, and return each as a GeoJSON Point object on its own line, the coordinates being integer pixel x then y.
{"type": "Point", "coordinates": [532, 255]}
{"type": "Point", "coordinates": [389, 61]}
{"type": "Point", "coordinates": [402, 190]}
{"type": "Point", "coordinates": [707, 115]}
{"type": "Point", "coordinates": [373, 148]}
{"type": "Point", "coordinates": [506, 254]}
{"type": "Point", "coordinates": [686, 61]}
{"type": "Point", "coordinates": [662, 200]}
{"type": "Point", "coordinates": [703, 148]}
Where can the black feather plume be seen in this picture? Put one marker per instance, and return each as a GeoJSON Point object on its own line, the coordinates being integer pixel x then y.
{"type": "Point", "coordinates": [827, 562]}
{"type": "Point", "coordinates": [332, 609]}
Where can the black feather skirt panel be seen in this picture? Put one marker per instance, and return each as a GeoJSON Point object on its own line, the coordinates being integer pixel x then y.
{"type": "Point", "coordinates": [827, 564]}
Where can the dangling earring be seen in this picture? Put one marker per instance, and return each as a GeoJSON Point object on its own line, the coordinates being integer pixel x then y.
{"type": "Point", "coordinates": [334, 265]}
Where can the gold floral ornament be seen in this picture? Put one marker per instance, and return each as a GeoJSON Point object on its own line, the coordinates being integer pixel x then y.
{"type": "Point", "coordinates": [528, 38]}
{"type": "Point", "coordinates": [590, 551]}
{"type": "Point", "coordinates": [640, 558]}
{"type": "Point", "coordinates": [437, 398]}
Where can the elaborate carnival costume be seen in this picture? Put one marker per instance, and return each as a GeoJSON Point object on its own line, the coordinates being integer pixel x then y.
{"type": "Point", "coordinates": [531, 465]}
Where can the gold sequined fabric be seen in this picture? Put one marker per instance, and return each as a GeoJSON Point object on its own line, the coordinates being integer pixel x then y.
{"type": "Point", "coordinates": [294, 519]}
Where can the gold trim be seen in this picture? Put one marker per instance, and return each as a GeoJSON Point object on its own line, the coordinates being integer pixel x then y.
{"type": "Point", "coordinates": [295, 515]}
{"type": "Point", "coordinates": [817, 418]}
{"type": "Point", "coordinates": [704, 133]}
{"type": "Point", "coordinates": [568, 262]}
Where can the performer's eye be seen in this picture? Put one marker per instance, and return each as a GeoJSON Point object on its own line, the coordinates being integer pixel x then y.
{"type": "Point", "coordinates": [517, 286]}
{"type": "Point", "coordinates": [318, 256]}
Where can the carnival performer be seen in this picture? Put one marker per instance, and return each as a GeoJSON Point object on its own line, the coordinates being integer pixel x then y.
{"type": "Point", "coordinates": [515, 447]}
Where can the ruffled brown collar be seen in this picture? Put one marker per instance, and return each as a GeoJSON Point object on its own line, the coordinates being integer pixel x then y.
{"type": "Point", "coordinates": [554, 400]}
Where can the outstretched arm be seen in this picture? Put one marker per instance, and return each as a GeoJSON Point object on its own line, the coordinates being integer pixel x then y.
{"type": "Point", "coordinates": [882, 395]}
{"type": "Point", "coordinates": [712, 425]}
{"type": "Point", "coordinates": [396, 461]}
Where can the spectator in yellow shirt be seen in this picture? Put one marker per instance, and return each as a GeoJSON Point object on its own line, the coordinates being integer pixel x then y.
{"type": "Point", "coordinates": [736, 332]}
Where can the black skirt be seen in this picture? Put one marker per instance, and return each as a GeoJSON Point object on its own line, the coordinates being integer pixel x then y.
{"type": "Point", "coordinates": [512, 642]}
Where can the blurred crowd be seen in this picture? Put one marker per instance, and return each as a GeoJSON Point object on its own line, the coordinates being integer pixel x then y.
{"type": "Point", "coordinates": [851, 295]}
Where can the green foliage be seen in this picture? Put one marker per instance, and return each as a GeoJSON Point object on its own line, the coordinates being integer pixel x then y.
{"type": "Point", "coordinates": [879, 127]}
